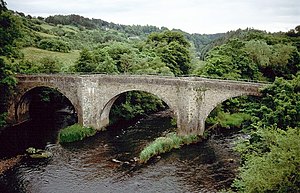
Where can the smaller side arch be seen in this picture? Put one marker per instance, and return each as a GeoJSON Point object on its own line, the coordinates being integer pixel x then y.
{"type": "Point", "coordinates": [216, 99]}
{"type": "Point", "coordinates": [19, 107]}
{"type": "Point", "coordinates": [212, 106]}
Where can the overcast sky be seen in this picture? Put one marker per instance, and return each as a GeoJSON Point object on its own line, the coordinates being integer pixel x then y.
{"type": "Point", "coordinates": [193, 16]}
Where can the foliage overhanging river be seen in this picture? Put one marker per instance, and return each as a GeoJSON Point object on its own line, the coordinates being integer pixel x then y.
{"type": "Point", "coordinates": [104, 163]}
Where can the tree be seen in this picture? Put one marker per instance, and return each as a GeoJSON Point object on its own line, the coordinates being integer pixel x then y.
{"type": "Point", "coordinates": [54, 45]}
{"type": "Point", "coordinates": [173, 49]}
{"type": "Point", "coordinates": [48, 65]}
{"type": "Point", "coordinates": [284, 62]}
{"type": "Point", "coordinates": [121, 53]}
{"type": "Point", "coordinates": [7, 83]}
{"type": "Point", "coordinates": [105, 64]}
{"type": "Point", "coordinates": [85, 62]}
{"type": "Point", "coordinates": [2, 6]}
{"type": "Point", "coordinates": [231, 61]}
{"type": "Point", "coordinates": [294, 32]}
{"type": "Point", "coordinates": [280, 104]}
{"type": "Point", "coordinates": [259, 52]}
{"type": "Point", "coordinates": [10, 31]}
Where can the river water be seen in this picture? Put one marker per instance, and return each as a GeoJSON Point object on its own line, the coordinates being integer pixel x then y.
{"type": "Point", "coordinates": [105, 163]}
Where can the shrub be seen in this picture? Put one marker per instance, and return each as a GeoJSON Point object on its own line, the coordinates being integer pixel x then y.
{"type": "Point", "coordinates": [54, 45]}
{"type": "Point", "coordinates": [75, 132]}
{"type": "Point", "coordinates": [48, 65]}
{"type": "Point", "coordinates": [273, 163]}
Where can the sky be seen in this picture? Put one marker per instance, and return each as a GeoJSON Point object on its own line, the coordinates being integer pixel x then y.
{"type": "Point", "coordinates": [193, 16]}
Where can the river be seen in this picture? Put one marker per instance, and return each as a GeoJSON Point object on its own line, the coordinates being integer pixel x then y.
{"type": "Point", "coordinates": [105, 162]}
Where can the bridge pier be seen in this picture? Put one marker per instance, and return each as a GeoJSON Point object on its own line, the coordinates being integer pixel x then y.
{"type": "Point", "coordinates": [190, 101]}
{"type": "Point", "coordinates": [90, 109]}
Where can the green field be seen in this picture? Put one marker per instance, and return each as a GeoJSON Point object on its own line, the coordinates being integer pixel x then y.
{"type": "Point", "coordinates": [66, 60]}
{"type": "Point", "coordinates": [47, 26]}
{"type": "Point", "coordinates": [45, 35]}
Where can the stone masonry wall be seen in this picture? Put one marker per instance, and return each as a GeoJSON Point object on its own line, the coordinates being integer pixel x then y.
{"type": "Point", "coordinates": [190, 98]}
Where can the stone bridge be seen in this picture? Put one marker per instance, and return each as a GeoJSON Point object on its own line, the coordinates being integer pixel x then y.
{"type": "Point", "coordinates": [190, 98]}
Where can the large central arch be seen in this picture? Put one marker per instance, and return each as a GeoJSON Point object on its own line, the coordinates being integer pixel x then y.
{"type": "Point", "coordinates": [105, 112]}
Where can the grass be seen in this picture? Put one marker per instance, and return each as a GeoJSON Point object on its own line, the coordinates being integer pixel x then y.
{"type": "Point", "coordinates": [47, 26]}
{"type": "Point", "coordinates": [46, 35]}
{"type": "Point", "coordinates": [67, 28]}
{"type": "Point", "coordinates": [75, 132]}
{"type": "Point", "coordinates": [70, 28]}
{"type": "Point", "coordinates": [66, 60]}
{"type": "Point", "coordinates": [227, 120]}
{"type": "Point", "coordinates": [166, 144]}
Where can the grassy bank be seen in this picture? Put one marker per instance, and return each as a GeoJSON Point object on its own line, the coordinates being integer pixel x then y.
{"type": "Point", "coordinates": [75, 132]}
{"type": "Point", "coordinates": [166, 144]}
{"type": "Point", "coordinates": [66, 60]}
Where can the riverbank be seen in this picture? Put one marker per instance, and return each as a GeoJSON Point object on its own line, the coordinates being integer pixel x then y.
{"type": "Point", "coordinates": [7, 164]}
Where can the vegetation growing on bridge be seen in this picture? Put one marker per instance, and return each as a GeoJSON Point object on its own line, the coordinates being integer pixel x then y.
{"type": "Point", "coordinates": [75, 132]}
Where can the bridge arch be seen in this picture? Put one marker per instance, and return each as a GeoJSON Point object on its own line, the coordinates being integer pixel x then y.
{"type": "Point", "coordinates": [105, 112]}
{"type": "Point", "coordinates": [220, 99]}
{"type": "Point", "coordinates": [20, 109]}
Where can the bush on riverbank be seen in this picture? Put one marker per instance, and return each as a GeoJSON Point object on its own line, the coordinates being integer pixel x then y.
{"type": "Point", "coordinates": [227, 120]}
{"type": "Point", "coordinates": [75, 132]}
{"type": "Point", "coordinates": [272, 161]}
{"type": "Point", "coordinates": [166, 144]}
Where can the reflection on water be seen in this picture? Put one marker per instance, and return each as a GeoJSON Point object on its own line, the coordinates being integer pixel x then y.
{"type": "Point", "coordinates": [89, 166]}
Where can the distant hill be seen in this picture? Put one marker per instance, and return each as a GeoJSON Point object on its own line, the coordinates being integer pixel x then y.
{"type": "Point", "coordinates": [199, 40]}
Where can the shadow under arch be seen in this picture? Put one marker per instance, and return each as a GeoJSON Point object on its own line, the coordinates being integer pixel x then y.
{"type": "Point", "coordinates": [37, 126]}
{"type": "Point", "coordinates": [56, 101]}
{"type": "Point", "coordinates": [236, 106]}
{"type": "Point", "coordinates": [106, 111]}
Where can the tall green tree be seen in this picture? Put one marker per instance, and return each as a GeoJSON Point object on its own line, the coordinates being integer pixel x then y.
{"type": "Point", "coordinates": [280, 104]}
{"type": "Point", "coordinates": [231, 61]}
{"type": "Point", "coordinates": [85, 62]}
{"type": "Point", "coordinates": [173, 49]}
{"type": "Point", "coordinates": [104, 63]}
{"type": "Point", "coordinates": [10, 31]}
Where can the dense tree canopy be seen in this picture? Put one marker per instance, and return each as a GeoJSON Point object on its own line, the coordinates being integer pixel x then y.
{"type": "Point", "coordinates": [173, 49]}
{"type": "Point", "coordinates": [10, 30]}
{"type": "Point", "coordinates": [253, 59]}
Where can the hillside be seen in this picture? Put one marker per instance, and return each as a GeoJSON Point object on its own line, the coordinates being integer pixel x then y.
{"type": "Point", "coordinates": [67, 25]}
